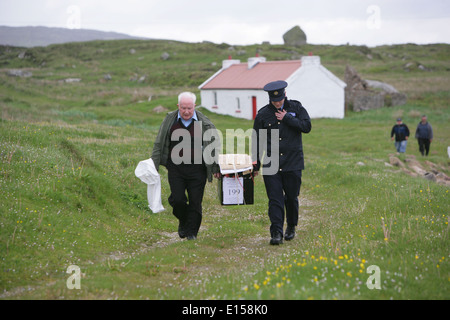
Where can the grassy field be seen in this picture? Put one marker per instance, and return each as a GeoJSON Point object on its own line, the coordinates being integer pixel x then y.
{"type": "Point", "coordinates": [69, 195]}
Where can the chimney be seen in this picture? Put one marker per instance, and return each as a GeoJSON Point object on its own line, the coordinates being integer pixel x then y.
{"type": "Point", "coordinates": [228, 63]}
{"type": "Point", "coordinates": [310, 61]}
{"type": "Point", "coordinates": [255, 60]}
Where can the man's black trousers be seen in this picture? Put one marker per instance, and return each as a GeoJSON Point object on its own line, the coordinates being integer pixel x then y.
{"type": "Point", "coordinates": [190, 179]}
{"type": "Point", "coordinates": [282, 190]}
{"type": "Point", "coordinates": [424, 146]}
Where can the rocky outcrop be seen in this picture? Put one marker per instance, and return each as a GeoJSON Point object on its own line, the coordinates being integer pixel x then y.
{"type": "Point", "coordinates": [361, 94]}
{"type": "Point", "coordinates": [160, 109]}
{"type": "Point", "coordinates": [412, 167]}
{"type": "Point", "coordinates": [295, 37]}
{"type": "Point", "coordinates": [20, 73]}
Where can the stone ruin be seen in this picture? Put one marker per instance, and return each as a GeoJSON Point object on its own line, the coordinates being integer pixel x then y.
{"type": "Point", "coordinates": [361, 94]}
{"type": "Point", "coordinates": [295, 37]}
{"type": "Point", "coordinates": [412, 167]}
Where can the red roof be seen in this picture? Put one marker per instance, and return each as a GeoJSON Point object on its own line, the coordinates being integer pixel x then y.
{"type": "Point", "coordinates": [238, 76]}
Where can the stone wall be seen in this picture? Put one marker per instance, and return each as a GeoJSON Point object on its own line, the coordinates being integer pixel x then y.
{"type": "Point", "coordinates": [361, 94]}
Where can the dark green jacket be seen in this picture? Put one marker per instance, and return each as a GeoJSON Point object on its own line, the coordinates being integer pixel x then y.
{"type": "Point", "coordinates": [160, 153]}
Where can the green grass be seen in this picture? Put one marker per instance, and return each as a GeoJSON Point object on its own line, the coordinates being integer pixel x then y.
{"type": "Point", "coordinates": [70, 196]}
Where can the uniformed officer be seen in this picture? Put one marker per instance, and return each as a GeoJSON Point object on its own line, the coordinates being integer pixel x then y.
{"type": "Point", "coordinates": [285, 121]}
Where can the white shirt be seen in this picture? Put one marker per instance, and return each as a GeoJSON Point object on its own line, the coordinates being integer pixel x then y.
{"type": "Point", "coordinates": [186, 123]}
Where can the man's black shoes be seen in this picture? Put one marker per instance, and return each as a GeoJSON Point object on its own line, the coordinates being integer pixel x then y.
{"type": "Point", "coordinates": [290, 233]}
{"type": "Point", "coordinates": [277, 239]}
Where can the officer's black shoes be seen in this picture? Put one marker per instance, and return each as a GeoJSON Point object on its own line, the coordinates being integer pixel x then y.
{"type": "Point", "coordinates": [277, 239]}
{"type": "Point", "coordinates": [290, 233]}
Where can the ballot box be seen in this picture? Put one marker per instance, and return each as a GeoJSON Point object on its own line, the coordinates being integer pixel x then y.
{"type": "Point", "coordinates": [236, 185]}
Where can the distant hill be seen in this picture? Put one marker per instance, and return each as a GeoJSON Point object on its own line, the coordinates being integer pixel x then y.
{"type": "Point", "coordinates": [44, 36]}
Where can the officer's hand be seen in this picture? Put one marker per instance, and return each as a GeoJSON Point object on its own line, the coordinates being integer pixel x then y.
{"type": "Point", "coordinates": [280, 114]}
{"type": "Point", "coordinates": [217, 175]}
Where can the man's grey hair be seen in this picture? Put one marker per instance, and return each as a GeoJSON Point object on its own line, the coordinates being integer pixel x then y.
{"type": "Point", "coordinates": [189, 95]}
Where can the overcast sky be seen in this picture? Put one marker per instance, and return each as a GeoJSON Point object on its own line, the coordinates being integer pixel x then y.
{"type": "Point", "coordinates": [241, 22]}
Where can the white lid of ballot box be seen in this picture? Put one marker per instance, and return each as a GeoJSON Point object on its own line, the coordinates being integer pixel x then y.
{"type": "Point", "coordinates": [235, 163]}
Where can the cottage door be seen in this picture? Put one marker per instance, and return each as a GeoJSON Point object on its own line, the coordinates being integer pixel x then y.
{"type": "Point", "coordinates": [255, 109]}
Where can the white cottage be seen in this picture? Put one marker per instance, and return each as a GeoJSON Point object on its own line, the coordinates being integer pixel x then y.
{"type": "Point", "coordinates": [237, 88]}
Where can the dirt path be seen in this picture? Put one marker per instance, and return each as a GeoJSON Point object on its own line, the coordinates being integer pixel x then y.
{"type": "Point", "coordinates": [243, 256]}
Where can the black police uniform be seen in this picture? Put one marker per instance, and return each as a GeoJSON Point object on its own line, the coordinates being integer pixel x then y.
{"type": "Point", "coordinates": [283, 187]}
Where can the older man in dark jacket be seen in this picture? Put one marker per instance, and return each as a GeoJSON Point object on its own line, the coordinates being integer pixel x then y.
{"type": "Point", "coordinates": [179, 147]}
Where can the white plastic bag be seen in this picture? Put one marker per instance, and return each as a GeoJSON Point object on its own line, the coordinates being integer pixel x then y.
{"type": "Point", "coordinates": [146, 171]}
